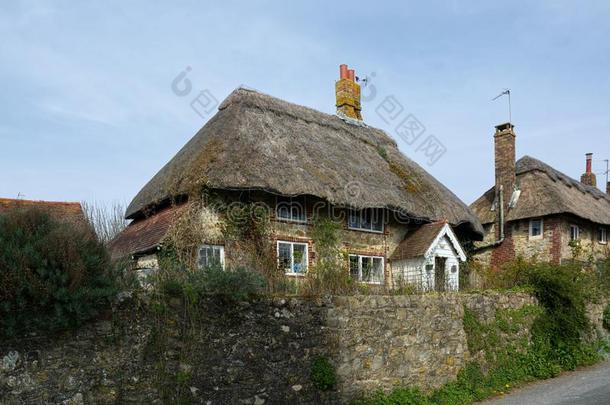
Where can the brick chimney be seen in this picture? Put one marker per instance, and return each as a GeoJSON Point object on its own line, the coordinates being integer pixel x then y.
{"type": "Point", "coordinates": [506, 177]}
{"type": "Point", "coordinates": [589, 177]}
{"type": "Point", "coordinates": [348, 94]}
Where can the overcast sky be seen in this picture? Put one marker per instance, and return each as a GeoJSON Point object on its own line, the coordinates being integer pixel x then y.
{"type": "Point", "coordinates": [87, 110]}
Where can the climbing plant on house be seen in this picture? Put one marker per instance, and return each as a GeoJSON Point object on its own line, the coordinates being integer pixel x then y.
{"type": "Point", "coordinates": [329, 274]}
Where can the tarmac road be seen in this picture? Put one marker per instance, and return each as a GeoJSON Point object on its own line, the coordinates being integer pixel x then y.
{"type": "Point", "coordinates": [588, 386]}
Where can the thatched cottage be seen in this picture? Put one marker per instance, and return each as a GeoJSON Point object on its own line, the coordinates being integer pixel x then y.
{"type": "Point", "coordinates": [302, 164]}
{"type": "Point", "coordinates": [537, 212]}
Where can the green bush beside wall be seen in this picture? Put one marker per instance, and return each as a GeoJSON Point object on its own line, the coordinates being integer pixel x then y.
{"type": "Point", "coordinates": [53, 275]}
{"type": "Point", "coordinates": [556, 342]}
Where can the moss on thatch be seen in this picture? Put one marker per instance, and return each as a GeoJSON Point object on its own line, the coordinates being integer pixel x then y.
{"type": "Point", "coordinates": [258, 142]}
{"type": "Point", "coordinates": [547, 191]}
{"type": "Point", "coordinates": [409, 183]}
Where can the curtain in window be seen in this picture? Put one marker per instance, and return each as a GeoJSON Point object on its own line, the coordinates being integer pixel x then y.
{"type": "Point", "coordinates": [299, 258]}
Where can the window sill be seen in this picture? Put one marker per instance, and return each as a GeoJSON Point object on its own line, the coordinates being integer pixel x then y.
{"type": "Point", "coordinates": [365, 230]}
{"type": "Point", "coordinates": [371, 282]}
{"type": "Point", "coordinates": [292, 221]}
{"type": "Point", "coordinates": [539, 237]}
{"type": "Point", "coordinates": [295, 274]}
{"type": "Point", "coordinates": [603, 243]}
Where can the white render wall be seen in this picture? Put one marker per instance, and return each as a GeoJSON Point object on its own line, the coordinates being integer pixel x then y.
{"type": "Point", "coordinates": [409, 271]}
{"type": "Point", "coordinates": [413, 271]}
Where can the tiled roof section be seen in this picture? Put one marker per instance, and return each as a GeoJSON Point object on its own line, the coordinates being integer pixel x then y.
{"type": "Point", "coordinates": [417, 242]}
{"type": "Point", "coordinates": [59, 210]}
{"type": "Point", "coordinates": [144, 234]}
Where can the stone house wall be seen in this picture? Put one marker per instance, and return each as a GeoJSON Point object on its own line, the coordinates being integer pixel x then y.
{"type": "Point", "coordinates": [553, 246]}
{"type": "Point", "coordinates": [352, 241]}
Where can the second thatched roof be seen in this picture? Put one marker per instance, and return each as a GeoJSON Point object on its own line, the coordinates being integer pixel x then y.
{"type": "Point", "coordinates": [258, 142]}
{"type": "Point", "coordinates": [547, 191]}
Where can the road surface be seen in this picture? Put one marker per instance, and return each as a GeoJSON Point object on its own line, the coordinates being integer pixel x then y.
{"type": "Point", "coordinates": [589, 386]}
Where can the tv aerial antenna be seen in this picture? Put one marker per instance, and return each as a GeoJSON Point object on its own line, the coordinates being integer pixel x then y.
{"type": "Point", "coordinates": [505, 92]}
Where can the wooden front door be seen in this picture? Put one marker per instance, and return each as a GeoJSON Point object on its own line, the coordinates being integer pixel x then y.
{"type": "Point", "coordinates": [439, 273]}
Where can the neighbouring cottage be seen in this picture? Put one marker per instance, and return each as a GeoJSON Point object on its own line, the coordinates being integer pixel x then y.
{"type": "Point", "coordinates": [71, 212]}
{"type": "Point", "coordinates": [536, 212]}
{"type": "Point", "coordinates": [302, 164]}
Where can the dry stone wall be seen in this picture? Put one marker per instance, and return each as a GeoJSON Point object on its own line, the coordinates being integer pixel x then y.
{"type": "Point", "coordinates": [383, 341]}
{"type": "Point", "coordinates": [251, 353]}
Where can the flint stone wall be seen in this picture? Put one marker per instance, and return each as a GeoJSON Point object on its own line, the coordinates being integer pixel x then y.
{"type": "Point", "coordinates": [257, 353]}
{"type": "Point", "coordinates": [383, 341]}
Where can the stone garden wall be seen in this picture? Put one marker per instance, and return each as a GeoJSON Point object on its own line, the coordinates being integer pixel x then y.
{"type": "Point", "coordinates": [252, 353]}
{"type": "Point", "coordinates": [383, 341]}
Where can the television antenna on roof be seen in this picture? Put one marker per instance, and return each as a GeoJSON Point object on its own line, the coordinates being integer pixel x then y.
{"type": "Point", "coordinates": [507, 93]}
{"type": "Point", "coordinates": [20, 195]}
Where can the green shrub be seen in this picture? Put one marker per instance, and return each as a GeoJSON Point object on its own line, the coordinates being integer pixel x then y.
{"type": "Point", "coordinates": [231, 284]}
{"type": "Point", "coordinates": [323, 374]}
{"type": "Point", "coordinates": [557, 339]}
{"type": "Point", "coordinates": [563, 292]}
{"type": "Point", "coordinates": [606, 320]}
{"type": "Point", "coordinates": [172, 288]}
{"type": "Point", "coordinates": [603, 277]}
{"type": "Point", "coordinates": [329, 274]}
{"type": "Point", "coordinates": [174, 279]}
{"type": "Point", "coordinates": [399, 396]}
{"type": "Point", "coordinates": [53, 275]}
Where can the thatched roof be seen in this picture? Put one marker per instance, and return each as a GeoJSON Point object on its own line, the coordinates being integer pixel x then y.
{"type": "Point", "coordinates": [259, 142]}
{"type": "Point", "coordinates": [546, 191]}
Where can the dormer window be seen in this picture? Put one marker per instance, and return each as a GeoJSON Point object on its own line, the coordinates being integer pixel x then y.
{"type": "Point", "coordinates": [368, 219]}
{"type": "Point", "coordinates": [514, 199]}
{"type": "Point", "coordinates": [291, 209]}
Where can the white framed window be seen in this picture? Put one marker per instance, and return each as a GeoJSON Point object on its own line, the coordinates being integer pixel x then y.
{"type": "Point", "coordinates": [536, 228]}
{"type": "Point", "coordinates": [292, 257]}
{"type": "Point", "coordinates": [367, 269]}
{"type": "Point", "coordinates": [574, 232]}
{"type": "Point", "coordinates": [602, 235]}
{"type": "Point", "coordinates": [368, 219]}
{"type": "Point", "coordinates": [211, 255]}
{"type": "Point", "coordinates": [291, 209]}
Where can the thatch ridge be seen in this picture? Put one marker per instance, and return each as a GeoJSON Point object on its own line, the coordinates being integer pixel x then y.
{"type": "Point", "coordinates": [547, 191]}
{"type": "Point", "coordinates": [258, 142]}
